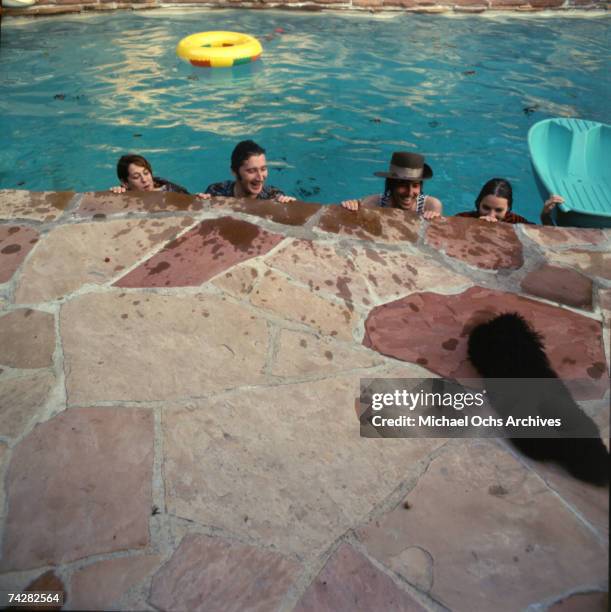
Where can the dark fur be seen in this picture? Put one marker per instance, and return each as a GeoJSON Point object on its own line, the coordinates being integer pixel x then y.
{"type": "Point", "coordinates": [507, 347]}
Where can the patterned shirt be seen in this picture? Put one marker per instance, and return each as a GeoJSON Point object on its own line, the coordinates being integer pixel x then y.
{"type": "Point", "coordinates": [510, 217]}
{"type": "Point", "coordinates": [386, 202]}
{"type": "Point", "coordinates": [226, 189]}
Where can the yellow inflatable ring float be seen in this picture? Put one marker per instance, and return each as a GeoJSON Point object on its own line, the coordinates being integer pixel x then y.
{"type": "Point", "coordinates": [219, 49]}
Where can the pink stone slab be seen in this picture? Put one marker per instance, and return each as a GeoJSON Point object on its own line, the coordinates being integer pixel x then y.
{"type": "Point", "coordinates": [350, 582]}
{"type": "Point", "coordinates": [559, 285]}
{"type": "Point", "coordinates": [38, 206]}
{"type": "Point", "coordinates": [380, 225]}
{"type": "Point", "coordinates": [559, 236]}
{"type": "Point", "coordinates": [496, 538]}
{"type": "Point", "coordinates": [21, 399]}
{"type": "Point", "coordinates": [490, 246]}
{"type": "Point", "coordinates": [27, 339]}
{"type": "Point", "coordinates": [103, 203]}
{"type": "Point", "coordinates": [214, 575]}
{"type": "Point", "coordinates": [16, 242]}
{"type": "Point", "coordinates": [282, 465]}
{"type": "Point", "coordinates": [101, 585]}
{"type": "Point", "coordinates": [583, 602]}
{"type": "Point", "coordinates": [592, 263]}
{"type": "Point", "coordinates": [79, 485]}
{"type": "Point", "coordinates": [432, 330]}
{"type": "Point", "coordinates": [291, 213]}
{"type": "Point", "coordinates": [204, 251]}
{"type": "Point", "coordinates": [77, 254]}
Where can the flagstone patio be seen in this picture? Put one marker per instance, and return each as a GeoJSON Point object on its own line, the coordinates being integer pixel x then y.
{"type": "Point", "coordinates": [177, 408]}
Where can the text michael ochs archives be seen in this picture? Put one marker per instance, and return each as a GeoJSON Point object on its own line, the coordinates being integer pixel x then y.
{"type": "Point", "coordinates": [476, 408]}
{"type": "Point", "coordinates": [408, 400]}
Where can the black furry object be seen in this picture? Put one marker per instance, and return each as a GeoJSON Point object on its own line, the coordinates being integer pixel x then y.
{"type": "Point", "coordinates": [508, 347]}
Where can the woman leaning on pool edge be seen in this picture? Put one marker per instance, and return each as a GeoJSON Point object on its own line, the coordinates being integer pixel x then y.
{"type": "Point", "coordinates": [495, 200]}
{"type": "Point", "coordinates": [403, 187]}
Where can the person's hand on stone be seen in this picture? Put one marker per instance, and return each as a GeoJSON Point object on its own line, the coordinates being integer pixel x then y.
{"type": "Point", "coordinates": [351, 204]}
{"type": "Point", "coordinates": [431, 214]}
{"type": "Point", "coordinates": [118, 189]}
{"type": "Point", "coordinates": [490, 219]}
{"type": "Point", "coordinates": [283, 199]}
{"type": "Point", "coordinates": [203, 196]}
{"type": "Point", "coordinates": [551, 203]}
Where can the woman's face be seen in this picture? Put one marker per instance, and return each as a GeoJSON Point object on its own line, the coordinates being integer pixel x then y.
{"type": "Point", "coordinates": [493, 206]}
{"type": "Point", "coordinates": [139, 178]}
{"type": "Point", "coordinates": [405, 193]}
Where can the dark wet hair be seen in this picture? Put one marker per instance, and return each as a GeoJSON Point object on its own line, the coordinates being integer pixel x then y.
{"type": "Point", "coordinates": [126, 160]}
{"type": "Point", "coordinates": [497, 187]}
{"type": "Point", "coordinates": [243, 150]}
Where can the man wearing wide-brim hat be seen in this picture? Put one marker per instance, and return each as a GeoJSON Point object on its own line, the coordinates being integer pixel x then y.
{"type": "Point", "coordinates": [403, 187]}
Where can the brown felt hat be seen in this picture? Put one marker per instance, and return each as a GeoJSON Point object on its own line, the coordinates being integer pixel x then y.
{"type": "Point", "coordinates": [406, 166]}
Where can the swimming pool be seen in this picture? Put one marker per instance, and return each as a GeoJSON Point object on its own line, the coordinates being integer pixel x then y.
{"type": "Point", "coordinates": [334, 95]}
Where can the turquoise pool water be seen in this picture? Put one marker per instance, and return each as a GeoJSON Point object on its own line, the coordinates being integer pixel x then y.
{"type": "Point", "coordinates": [333, 96]}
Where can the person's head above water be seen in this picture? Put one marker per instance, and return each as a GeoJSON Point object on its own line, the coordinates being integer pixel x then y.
{"type": "Point", "coordinates": [249, 167]}
{"type": "Point", "coordinates": [495, 199]}
{"type": "Point", "coordinates": [135, 173]}
{"type": "Point", "coordinates": [406, 172]}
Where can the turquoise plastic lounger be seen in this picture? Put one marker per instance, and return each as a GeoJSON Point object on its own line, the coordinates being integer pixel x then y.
{"type": "Point", "coordinates": [572, 157]}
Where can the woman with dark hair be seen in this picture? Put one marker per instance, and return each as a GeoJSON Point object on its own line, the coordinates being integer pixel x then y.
{"type": "Point", "coordinates": [136, 174]}
{"type": "Point", "coordinates": [495, 201]}
{"type": "Point", "coordinates": [403, 187]}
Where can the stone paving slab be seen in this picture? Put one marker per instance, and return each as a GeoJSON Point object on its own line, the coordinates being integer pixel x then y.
{"type": "Point", "coordinates": [101, 204]}
{"type": "Point", "coordinates": [277, 295]}
{"type": "Point", "coordinates": [306, 433]}
{"type": "Point", "coordinates": [203, 252]}
{"type": "Point", "coordinates": [145, 346]}
{"type": "Point", "coordinates": [559, 285]}
{"type": "Point", "coordinates": [90, 469]}
{"type": "Point", "coordinates": [20, 400]}
{"type": "Point", "coordinates": [101, 585]}
{"type": "Point", "coordinates": [291, 213]}
{"type": "Point", "coordinates": [16, 241]}
{"type": "Point", "coordinates": [509, 543]}
{"type": "Point", "coordinates": [323, 269]}
{"type": "Point", "coordinates": [432, 330]}
{"type": "Point", "coordinates": [197, 447]}
{"type": "Point", "coordinates": [71, 256]}
{"type": "Point", "coordinates": [300, 353]}
{"type": "Point", "coordinates": [592, 263]}
{"type": "Point", "coordinates": [490, 246]}
{"type": "Point", "coordinates": [43, 206]}
{"type": "Point", "coordinates": [390, 226]}
{"type": "Point", "coordinates": [27, 339]}
{"type": "Point", "coordinates": [592, 602]}
{"type": "Point", "coordinates": [547, 236]}
{"type": "Point", "coordinates": [214, 575]}
{"type": "Point", "coordinates": [395, 274]}
{"type": "Point", "coordinates": [350, 582]}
